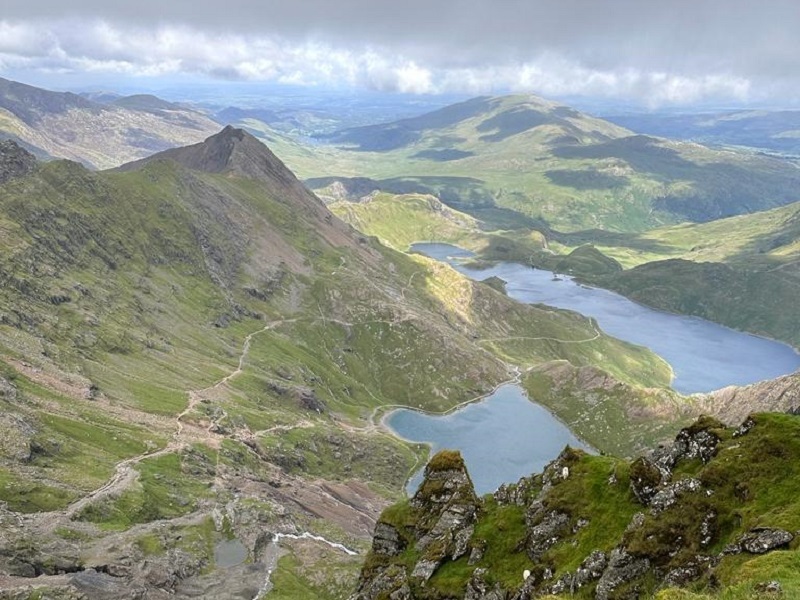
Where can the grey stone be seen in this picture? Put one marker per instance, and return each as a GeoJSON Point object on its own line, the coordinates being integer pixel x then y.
{"type": "Point", "coordinates": [764, 539]}
{"type": "Point", "coordinates": [668, 496]}
{"type": "Point", "coordinates": [622, 568]}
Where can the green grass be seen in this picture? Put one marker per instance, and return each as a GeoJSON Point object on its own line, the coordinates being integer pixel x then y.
{"type": "Point", "coordinates": [26, 496]}
{"type": "Point", "coordinates": [331, 578]}
{"type": "Point", "coordinates": [164, 491]}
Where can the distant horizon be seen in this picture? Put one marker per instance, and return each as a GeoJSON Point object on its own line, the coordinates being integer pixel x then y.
{"type": "Point", "coordinates": [224, 93]}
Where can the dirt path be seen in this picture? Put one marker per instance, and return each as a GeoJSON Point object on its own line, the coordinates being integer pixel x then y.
{"type": "Point", "coordinates": [125, 473]}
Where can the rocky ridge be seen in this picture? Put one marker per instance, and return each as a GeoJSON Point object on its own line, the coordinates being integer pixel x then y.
{"type": "Point", "coordinates": [595, 526]}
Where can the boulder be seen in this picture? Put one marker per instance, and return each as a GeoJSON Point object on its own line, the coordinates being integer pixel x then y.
{"type": "Point", "coordinates": [622, 568]}
{"type": "Point", "coordinates": [761, 540]}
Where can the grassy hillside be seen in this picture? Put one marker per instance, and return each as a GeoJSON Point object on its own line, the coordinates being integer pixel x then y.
{"type": "Point", "coordinates": [742, 271]}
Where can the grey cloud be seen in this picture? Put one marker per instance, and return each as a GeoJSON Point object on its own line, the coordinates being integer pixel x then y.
{"type": "Point", "coordinates": [635, 39]}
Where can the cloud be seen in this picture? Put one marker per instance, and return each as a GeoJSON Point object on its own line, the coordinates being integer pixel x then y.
{"type": "Point", "coordinates": [675, 52]}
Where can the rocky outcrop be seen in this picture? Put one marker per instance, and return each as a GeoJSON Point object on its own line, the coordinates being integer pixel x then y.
{"type": "Point", "coordinates": [680, 503]}
{"type": "Point", "coordinates": [761, 540]}
{"type": "Point", "coordinates": [622, 568]}
{"type": "Point", "coordinates": [438, 523]}
{"type": "Point", "coordinates": [15, 161]}
{"type": "Point", "coordinates": [733, 404]}
{"type": "Point", "coordinates": [478, 588]}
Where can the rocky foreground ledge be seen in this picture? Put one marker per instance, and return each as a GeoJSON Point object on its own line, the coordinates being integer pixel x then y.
{"type": "Point", "coordinates": [716, 511]}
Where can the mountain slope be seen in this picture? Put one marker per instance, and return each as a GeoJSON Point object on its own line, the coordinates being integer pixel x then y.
{"type": "Point", "coordinates": [66, 125]}
{"type": "Point", "coordinates": [550, 162]}
{"type": "Point", "coordinates": [192, 349]}
{"type": "Point", "coordinates": [716, 513]}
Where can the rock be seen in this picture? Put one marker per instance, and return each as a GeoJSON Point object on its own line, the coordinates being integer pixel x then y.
{"type": "Point", "coordinates": [770, 587]}
{"type": "Point", "coordinates": [695, 441]}
{"type": "Point", "coordinates": [386, 540]}
{"type": "Point", "coordinates": [516, 494]}
{"type": "Point", "coordinates": [17, 438]}
{"type": "Point", "coordinates": [546, 534]}
{"type": "Point", "coordinates": [564, 584]}
{"type": "Point", "coordinates": [622, 568]}
{"type": "Point", "coordinates": [761, 540]}
{"type": "Point", "coordinates": [637, 521]}
{"type": "Point", "coordinates": [15, 161]}
{"type": "Point", "coordinates": [387, 582]}
{"type": "Point", "coordinates": [7, 390]}
{"type": "Point", "coordinates": [478, 550]}
{"type": "Point", "coordinates": [479, 589]}
{"type": "Point", "coordinates": [307, 398]}
{"type": "Point", "coordinates": [425, 568]}
{"type": "Point", "coordinates": [688, 572]}
{"type": "Point", "coordinates": [591, 569]}
{"type": "Point", "coordinates": [745, 427]}
{"type": "Point", "coordinates": [440, 527]}
{"type": "Point", "coordinates": [669, 495]}
{"type": "Point", "coordinates": [101, 586]}
{"type": "Point", "coordinates": [646, 477]}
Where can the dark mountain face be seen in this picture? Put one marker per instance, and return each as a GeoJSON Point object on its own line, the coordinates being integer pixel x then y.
{"type": "Point", "coordinates": [100, 133]}
{"type": "Point", "coordinates": [14, 161]}
{"type": "Point", "coordinates": [230, 152]}
{"type": "Point", "coordinates": [237, 154]}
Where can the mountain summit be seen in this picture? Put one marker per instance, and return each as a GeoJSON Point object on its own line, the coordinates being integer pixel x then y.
{"type": "Point", "coordinates": [232, 152]}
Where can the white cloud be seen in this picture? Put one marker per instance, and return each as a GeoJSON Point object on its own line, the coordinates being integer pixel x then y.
{"type": "Point", "coordinates": [98, 46]}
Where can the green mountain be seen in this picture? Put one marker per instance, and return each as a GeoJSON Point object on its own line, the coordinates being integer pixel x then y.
{"type": "Point", "coordinates": [713, 515]}
{"type": "Point", "coordinates": [551, 163]}
{"type": "Point", "coordinates": [99, 135]}
{"type": "Point", "coordinates": [742, 271]}
{"type": "Point", "coordinates": [193, 355]}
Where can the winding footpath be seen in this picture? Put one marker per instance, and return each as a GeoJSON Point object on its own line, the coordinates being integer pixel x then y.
{"type": "Point", "coordinates": [124, 472]}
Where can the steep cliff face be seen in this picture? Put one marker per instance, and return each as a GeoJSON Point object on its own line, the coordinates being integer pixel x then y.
{"type": "Point", "coordinates": [703, 511]}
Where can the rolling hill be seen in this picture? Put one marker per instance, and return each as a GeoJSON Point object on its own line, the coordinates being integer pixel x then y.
{"type": "Point", "coordinates": [768, 130]}
{"type": "Point", "coordinates": [552, 163]}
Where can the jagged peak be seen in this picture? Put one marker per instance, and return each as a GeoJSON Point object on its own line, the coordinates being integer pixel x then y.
{"type": "Point", "coordinates": [232, 151]}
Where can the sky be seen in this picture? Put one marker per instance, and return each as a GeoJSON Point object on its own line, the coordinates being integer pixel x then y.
{"type": "Point", "coordinates": [650, 52]}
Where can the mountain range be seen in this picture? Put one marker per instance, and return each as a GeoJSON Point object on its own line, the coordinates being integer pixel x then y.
{"type": "Point", "coordinates": [549, 162]}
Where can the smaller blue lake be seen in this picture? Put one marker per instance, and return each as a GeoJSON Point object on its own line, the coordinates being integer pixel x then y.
{"type": "Point", "coordinates": [502, 438]}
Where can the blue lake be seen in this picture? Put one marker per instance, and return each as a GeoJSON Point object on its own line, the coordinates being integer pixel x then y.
{"type": "Point", "coordinates": [704, 356]}
{"type": "Point", "coordinates": [501, 438]}
{"type": "Point", "coordinates": [506, 436]}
